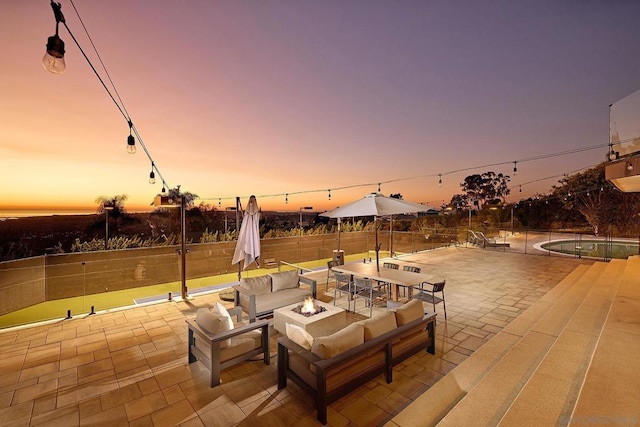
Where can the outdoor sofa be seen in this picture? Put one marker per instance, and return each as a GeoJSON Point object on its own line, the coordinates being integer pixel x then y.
{"type": "Point", "coordinates": [330, 367]}
{"type": "Point", "coordinates": [260, 296]}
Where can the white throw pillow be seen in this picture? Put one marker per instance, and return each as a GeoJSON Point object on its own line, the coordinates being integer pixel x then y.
{"type": "Point", "coordinates": [299, 336]}
{"type": "Point", "coordinates": [221, 310]}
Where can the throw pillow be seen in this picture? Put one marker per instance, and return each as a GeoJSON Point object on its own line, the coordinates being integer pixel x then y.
{"type": "Point", "coordinates": [213, 323]}
{"type": "Point", "coordinates": [221, 310]}
{"type": "Point", "coordinates": [299, 335]}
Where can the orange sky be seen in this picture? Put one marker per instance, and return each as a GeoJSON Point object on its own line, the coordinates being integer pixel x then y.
{"type": "Point", "coordinates": [267, 98]}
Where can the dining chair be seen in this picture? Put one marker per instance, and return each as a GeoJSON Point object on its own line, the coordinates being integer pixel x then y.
{"type": "Point", "coordinates": [386, 285]}
{"type": "Point", "coordinates": [412, 269]}
{"type": "Point", "coordinates": [343, 285]}
{"type": "Point", "coordinates": [428, 295]}
{"type": "Point", "coordinates": [363, 288]}
{"type": "Point", "coordinates": [330, 273]}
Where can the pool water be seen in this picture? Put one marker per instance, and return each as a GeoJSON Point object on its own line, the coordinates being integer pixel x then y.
{"type": "Point", "coordinates": [594, 248]}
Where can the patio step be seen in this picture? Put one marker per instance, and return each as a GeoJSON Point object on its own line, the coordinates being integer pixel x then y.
{"type": "Point", "coordinates": [492, 397]}
{"type": "Point", "coordinates": [612, 384]}
{"type": "Point", "coordinates": [446, 393]}
{"type": "Point", "coordinates": [550, 395]}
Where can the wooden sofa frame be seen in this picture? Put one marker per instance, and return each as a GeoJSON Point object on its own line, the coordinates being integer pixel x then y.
{"type": "Point", "coordinates": [383, 343]}
{"type": "Point", "coordinates": [212, 361]}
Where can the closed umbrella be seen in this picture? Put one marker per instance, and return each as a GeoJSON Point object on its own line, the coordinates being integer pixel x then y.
{"type": "Point", "coordinates": [375, 204]}
{"type": "Point", "coordinates": [248, 245]}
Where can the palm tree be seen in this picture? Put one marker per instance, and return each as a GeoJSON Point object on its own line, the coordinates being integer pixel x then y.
{"type": "Point", "coordinates": [115, 204]}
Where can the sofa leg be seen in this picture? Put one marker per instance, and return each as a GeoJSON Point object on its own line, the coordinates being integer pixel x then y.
{"type": "Point", "coordinates": [282, 366]}
{"type": "Point", "coordinates": [432, 336]}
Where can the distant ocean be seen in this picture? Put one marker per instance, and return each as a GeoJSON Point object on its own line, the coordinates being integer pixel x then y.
{"type": "Point", "coordinates": [12, 214]}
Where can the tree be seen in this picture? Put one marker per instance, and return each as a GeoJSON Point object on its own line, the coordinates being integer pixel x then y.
{"type": "Point", "coordinates": [114, 204]}
{"type": "Point", "coordinates": [601, 204]}
{"type": "Point", "coordinates": [485, 188]}
{"type": "Point", "coordinates": [396, 196]}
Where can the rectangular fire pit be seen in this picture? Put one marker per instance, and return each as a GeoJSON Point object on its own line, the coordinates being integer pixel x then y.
{"type": "Point", "coordinates": [326, 322]}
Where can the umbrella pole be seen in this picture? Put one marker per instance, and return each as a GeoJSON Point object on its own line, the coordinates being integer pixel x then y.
{"type": "Point", "coordinates": [375, 223]}
{"type": "Point", "coordinates": [238, 210]}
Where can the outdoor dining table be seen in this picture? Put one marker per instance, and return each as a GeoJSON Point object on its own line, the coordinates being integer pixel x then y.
{"type": "Point", "coordinates": [395, 277]}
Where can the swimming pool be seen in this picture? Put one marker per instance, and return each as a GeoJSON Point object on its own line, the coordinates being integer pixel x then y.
{"type": "Point", "coordinates": [620, 249]}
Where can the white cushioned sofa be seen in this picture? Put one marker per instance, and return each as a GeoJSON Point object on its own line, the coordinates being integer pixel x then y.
{"type": "Point", "coordinates": [330, 367]}
{"type": "Point", "coordinates": [259, 296]}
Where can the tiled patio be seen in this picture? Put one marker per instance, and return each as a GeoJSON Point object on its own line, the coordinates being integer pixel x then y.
{"type": "Point", "coordinates": [129, 367]}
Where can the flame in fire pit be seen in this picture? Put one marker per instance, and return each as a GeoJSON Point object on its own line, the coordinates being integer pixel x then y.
{"type": "Point", "coordinates": [308, 306]}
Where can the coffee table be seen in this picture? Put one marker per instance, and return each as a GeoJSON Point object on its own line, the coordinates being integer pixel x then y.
{"type": "Point", "coordinates": [320, 324]}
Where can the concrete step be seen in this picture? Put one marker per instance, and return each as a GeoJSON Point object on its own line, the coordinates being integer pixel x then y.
{"type": "Point", "coordinates": [550, 396]}
{"type": "Point", "coordinates": [487, 403]}
{"type": "Point", "coordinates": [612, 383]}
{"type": "Point", "coordinates": [451, 389]}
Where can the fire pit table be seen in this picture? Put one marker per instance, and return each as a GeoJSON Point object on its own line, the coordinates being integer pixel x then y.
{"type": "Point", "coordinates": [322, 323]}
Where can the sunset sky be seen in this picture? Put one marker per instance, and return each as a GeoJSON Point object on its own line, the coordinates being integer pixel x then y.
{"type": "Point", "coordinates": [234, 98]}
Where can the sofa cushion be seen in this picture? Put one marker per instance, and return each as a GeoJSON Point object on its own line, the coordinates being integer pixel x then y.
{"type": "Point", "coordinates": [339, 342]}
{"type": "Point", "coordinates": [273, 300]}
{"type": "Point", "coordinates": [256, 285]}
{"type": "Point", "coordinates": [409, 312]}
{"type": "Point", "coordinates": [284, 280]}
{"type": "Point", "coordinates": [379, 325]}
{"type": "Point", "coordinates": [213, 323]}
{"type": "Point", "coordinates": [299, 335]}
{"type": "Point", "coordinates": [241, 344]}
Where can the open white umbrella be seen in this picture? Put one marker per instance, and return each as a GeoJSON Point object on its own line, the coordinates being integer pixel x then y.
{"type": "Point", "coordinates": [375, 204]}
{"type": "Point", "coordinates": [248, 245]}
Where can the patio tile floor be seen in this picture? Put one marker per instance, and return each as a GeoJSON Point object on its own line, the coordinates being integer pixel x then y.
{"type": "Point", "coordinates": [129, 367]}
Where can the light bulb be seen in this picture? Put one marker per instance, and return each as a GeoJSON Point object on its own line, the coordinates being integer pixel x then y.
{"type": "Point", "coordinates": [152, 178]}
{"type": "Point", "coordinates": [440, 180]}
{"type": "Point", "coordinates": [131, 144]}
{"type": "Point", "coordinates": [515, 168]}
{"type": "Point", "coordinates": [53, 60]}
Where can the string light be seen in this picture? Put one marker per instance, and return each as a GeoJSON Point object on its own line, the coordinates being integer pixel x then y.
{"type": "Point", "coordinates": [55, 53]}
{"type": "Point", "coordinates": [152, 176]}
{"type": "Point", "coordinates": [515, 168]}
{"type": "Point", "coordinates": [131, 141]}
{"type": "Point", "coordinates": [286, 198]}
{"type": "Point", "coordinates": [329, 194]}
{"type": "Point", "coordinates": [440, 180]}
{"type": "Point", "coordinates": [378, 187]}
{"type": "Point", "coordinates": [219, 202]}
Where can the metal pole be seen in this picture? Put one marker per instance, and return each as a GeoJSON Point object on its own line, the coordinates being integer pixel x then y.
{"type": "Point", "coordinates": [106, 229]}
{"type": "Point", "coordinates": [184, 248]}
{"type": "Point", "coordinates": [512, 220]}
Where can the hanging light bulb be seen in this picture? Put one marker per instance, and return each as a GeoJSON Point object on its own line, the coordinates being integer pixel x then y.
{"type": "Point", "coordinates": [131, 141]}
{"type": "Point", "coordinates": [515, 168]}
{"type": "Point", "coordinates": [629, 166]}
{"type": "Point", "coordinates": [378, 187]}
{"type": "Point", "coordinates": [219, 202]}
{"type": "Point", "coordinates": [329, 194]}
{"type": "Point", "coordinates": [286, 198]}
{"type": "Point", "coordinates": [152, 175]}
{"type": "Point", "coordinates": [53, 60]}
{"type": "Point", "coordinates": [440, 180]}
{"type": "Point", "coordinates": [164, 190]}
{"type": "Point", "coordinates": [521, 188]}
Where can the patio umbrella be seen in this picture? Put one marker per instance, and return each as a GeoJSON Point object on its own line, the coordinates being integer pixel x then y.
{"type": "Point", "coordinates": [375, 204]}
{"type": "Point", "coordinates": [248, 245]}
